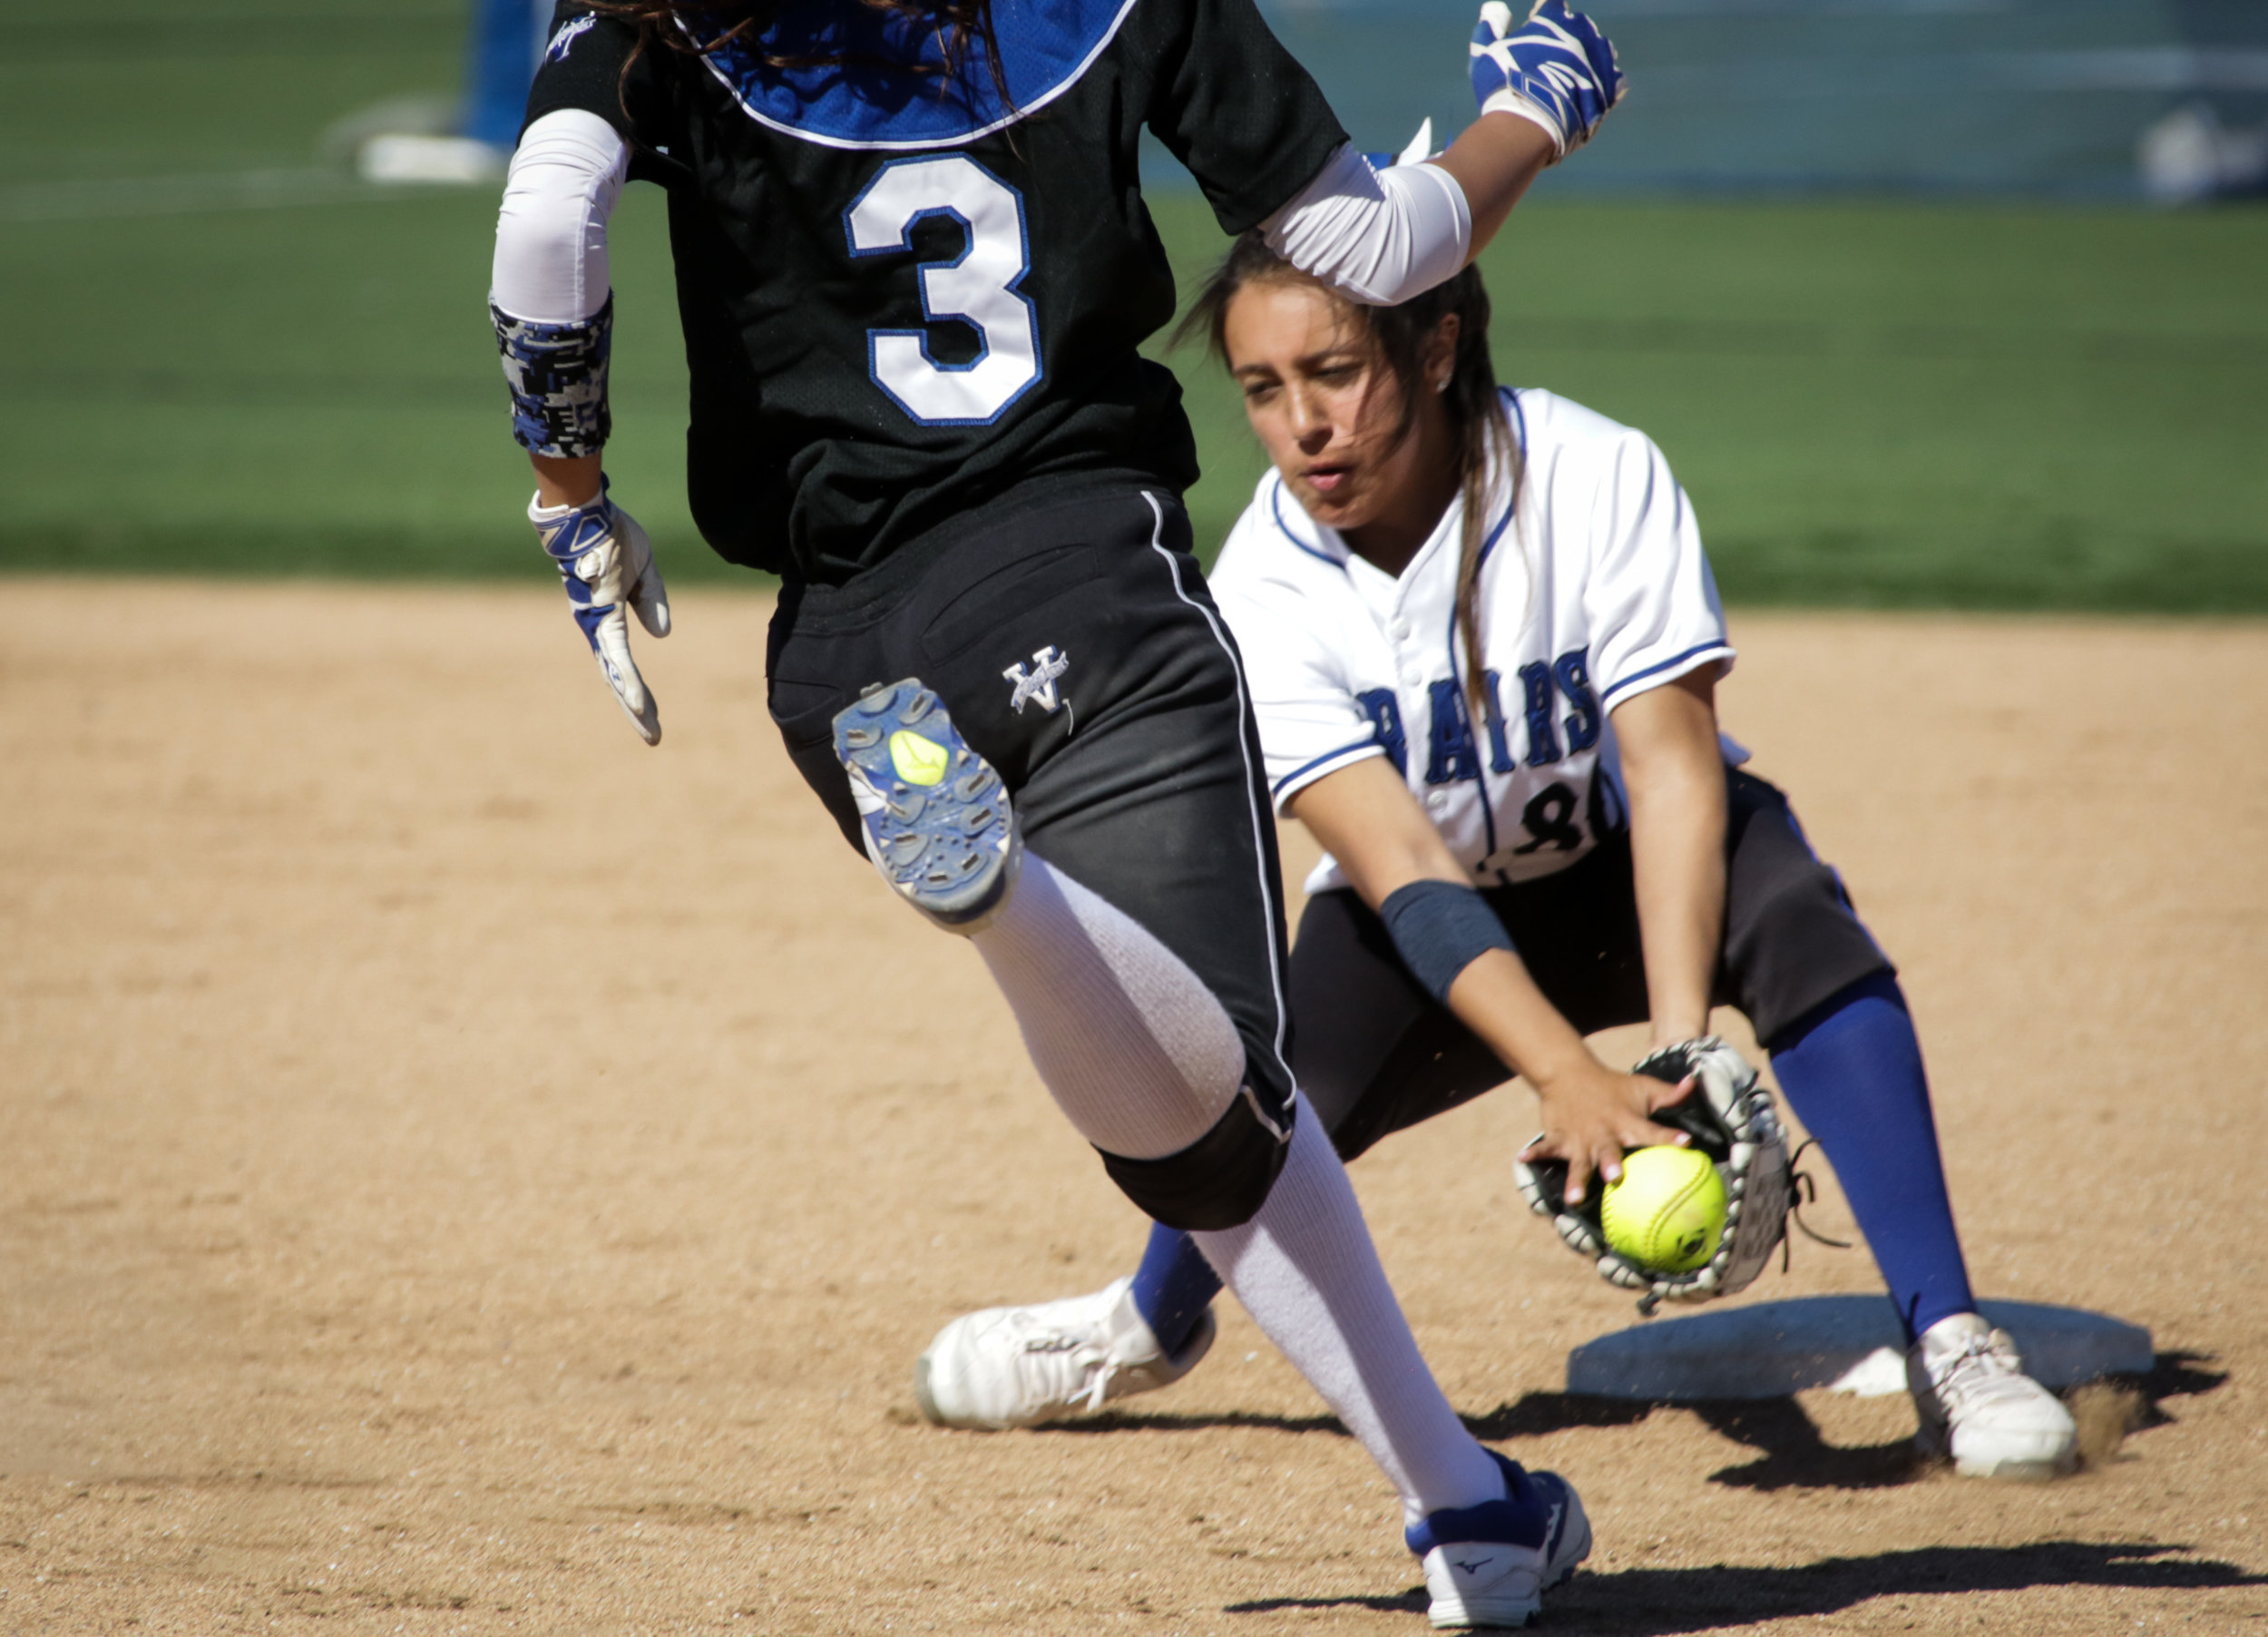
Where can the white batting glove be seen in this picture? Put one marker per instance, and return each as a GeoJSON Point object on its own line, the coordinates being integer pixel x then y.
{"type": "Point", "coordinates": [605, 561]}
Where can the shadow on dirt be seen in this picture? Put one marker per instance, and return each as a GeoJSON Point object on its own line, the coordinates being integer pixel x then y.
{"type": "Point", "coordinates": [2172, 1375]}
{"type": "Point", "coordinates": [1793, 1455]}
{"type": "Point", "coordinates": [1119, 1421]}
{"type": "Point", "coordinates": [1792, 1452]}
{"type": "Point", "coordinates": [1661, 1602]}
{"type": "Point", "coordinates": [1534, 1415]}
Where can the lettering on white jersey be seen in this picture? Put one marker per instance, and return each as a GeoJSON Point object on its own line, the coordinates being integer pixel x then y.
{"type": "Point", "coordinates": [1599, 593]}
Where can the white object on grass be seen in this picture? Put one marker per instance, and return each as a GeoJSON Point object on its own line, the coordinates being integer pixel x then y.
{"type": "Point", "coordinates": [456, 161]}
{"type": "Point", "coordinates": [2190, 156]}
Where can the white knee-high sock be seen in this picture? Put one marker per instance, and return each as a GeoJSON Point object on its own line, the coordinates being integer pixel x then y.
{"type": "Point", "coordinates": [1131, 1043]}
{"type": "Point", "coordinates": [1305, 1270]}
{"type": "Point", "coordinates": [1142, 1057]}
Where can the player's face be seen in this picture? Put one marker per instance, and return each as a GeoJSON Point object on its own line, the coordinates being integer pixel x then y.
{"type": "Point", "coordinates": [1328, 410]}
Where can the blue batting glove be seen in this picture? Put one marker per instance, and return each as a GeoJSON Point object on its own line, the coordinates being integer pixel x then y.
{"type": "Point", "coordinates": [1556, 69]}
{"type": "Point", "coordinates": [605, 561]}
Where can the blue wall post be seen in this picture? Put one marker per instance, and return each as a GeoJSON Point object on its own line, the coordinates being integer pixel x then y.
{"type": "Point", "coordinates": [507, 39]}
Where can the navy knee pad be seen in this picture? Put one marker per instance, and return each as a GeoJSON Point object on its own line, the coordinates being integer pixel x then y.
{"type": "Point", "coordinates": [1220, 1181]}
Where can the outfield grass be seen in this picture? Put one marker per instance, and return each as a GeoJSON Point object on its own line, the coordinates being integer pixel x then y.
{"type": "Point", "coordinates": [1880, 403]}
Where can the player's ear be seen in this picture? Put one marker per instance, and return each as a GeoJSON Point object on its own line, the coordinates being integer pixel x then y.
{"type": "Point", "coordinates": [1440, 353]}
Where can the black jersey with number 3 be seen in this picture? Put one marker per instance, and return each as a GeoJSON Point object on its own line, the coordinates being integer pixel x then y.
{"type": "Point", "coordinates": [906, 295]}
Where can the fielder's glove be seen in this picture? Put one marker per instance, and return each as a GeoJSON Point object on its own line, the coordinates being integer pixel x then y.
{"type": "Point", "coordinates": [1730, 1117]}
{"type": "Point", "coordinates": [605, 560]}
{"type": "Point", "coordinates": [1556, 69]}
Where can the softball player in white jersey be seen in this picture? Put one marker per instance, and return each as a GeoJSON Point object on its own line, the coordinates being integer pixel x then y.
{"type": "Point", "coordinates": [1482, 641]}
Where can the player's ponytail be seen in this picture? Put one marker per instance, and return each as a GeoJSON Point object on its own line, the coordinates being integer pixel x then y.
{"type": "Point", "coordinates": [1484, 436]}
{"type": "Point", "coordinates": [1475, 408]}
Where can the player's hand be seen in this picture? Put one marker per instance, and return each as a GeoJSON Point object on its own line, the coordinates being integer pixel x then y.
{"type": "Point", "coordinates": [1591, 1115]}
{"type": "Point", "coordinates": [1556, 69]}
{"type": "Point", "coordinates": [606, 561]}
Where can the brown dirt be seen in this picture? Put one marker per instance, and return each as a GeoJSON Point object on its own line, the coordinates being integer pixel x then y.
{"type": "Point", "coordinates": [467, 1173]}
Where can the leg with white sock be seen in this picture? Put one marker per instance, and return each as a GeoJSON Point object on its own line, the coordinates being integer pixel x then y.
{"type": "Point", "coordinates": [1081, 978]}
{"type": "Point", "coordinates": [1145, 1062]}
{"type": "Point", "coordinates": [1306, 1271]}
{"type": "Point", "coordinates": [1142, 951]}
{"type": "Point", "coordinates": [1373, 1053]}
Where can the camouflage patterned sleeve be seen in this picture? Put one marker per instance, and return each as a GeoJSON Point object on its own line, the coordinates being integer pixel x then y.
{"type": "Point", "coordinates": [557, 373]}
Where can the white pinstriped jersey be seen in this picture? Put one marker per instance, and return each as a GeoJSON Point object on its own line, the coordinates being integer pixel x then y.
{"type": "Point", "coordinates": [1598, 593]}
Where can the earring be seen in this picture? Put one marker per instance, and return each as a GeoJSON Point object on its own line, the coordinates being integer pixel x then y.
{"type": "Point", "coordinates": [1441, 385]}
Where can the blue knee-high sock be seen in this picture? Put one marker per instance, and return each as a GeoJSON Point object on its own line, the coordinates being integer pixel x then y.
{"type": "Point", "coordinates": [1852, 1069]}
{"type": "Point", "coordinates": [1174, 1285]}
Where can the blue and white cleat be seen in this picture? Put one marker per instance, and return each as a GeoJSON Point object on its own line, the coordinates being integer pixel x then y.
{"type": "Point", "coordinates": [1489, 1565]}
{"type": "Point", "coordinates": [935, 815]}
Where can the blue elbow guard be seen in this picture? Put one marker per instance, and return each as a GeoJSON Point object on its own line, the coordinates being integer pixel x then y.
{"type": "Point", "coordinates": [1439, 928]}
{"type": "Point", "coordinates": [557, 373]}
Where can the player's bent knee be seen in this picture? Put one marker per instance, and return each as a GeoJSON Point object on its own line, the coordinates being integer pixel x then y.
{"type": "Point", "coordinates": [1220, 1181]}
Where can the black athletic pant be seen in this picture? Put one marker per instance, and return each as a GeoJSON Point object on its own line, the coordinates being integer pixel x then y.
{"type": "Point", "coordinates": [1376, 1053]}
{"type": "Point", "coordinates": [1144, 784]}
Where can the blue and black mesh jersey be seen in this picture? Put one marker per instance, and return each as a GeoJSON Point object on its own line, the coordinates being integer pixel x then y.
{"type": "Point", "coordinates": [904, 293]}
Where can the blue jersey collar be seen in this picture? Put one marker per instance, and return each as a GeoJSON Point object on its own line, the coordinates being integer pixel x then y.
{"type": "Point", "coordinates": [887, 87]}
{"type": "Point", "coordinates": [1293, 525]}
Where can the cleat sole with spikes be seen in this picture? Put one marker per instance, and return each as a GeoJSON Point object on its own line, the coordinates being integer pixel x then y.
{"type": "Point", "coordinates": [935, 815]}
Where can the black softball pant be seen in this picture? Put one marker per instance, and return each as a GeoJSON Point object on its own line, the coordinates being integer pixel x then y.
{"type": "Point", "coordinates": [1138, 773]}
{"type": "Point", "coordinates": [1376, 1053]}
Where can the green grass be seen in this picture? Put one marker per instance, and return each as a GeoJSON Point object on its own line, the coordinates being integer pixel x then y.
{"type": "Point", "coordinates": [1908, 404]}
{"type": "Point", "coordinates": [173, 87]}
{"type": "Point", "coordinates": [1896, 404]}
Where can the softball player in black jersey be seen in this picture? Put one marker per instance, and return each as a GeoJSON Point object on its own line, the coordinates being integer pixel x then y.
{"type": "Point", "coordinates": [914, 267]}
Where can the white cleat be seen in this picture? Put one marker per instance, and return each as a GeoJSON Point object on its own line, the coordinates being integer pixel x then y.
{"type": "Point", "coordinates": [1018, 1366]}
{"type": "Point", "coordinates": [1979, 1407]}
{"type": "Point", "coordinates": [1487, 1567]}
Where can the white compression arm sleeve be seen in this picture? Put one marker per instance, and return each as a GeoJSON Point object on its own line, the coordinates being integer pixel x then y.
{"type": "Point", "coordinates": [1380, 237]}
{"type": "Point", "coordinates": [550, 234]}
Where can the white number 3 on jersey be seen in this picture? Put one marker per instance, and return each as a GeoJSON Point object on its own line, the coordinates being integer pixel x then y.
{"type": "Point", "coordinates": [979, 289]}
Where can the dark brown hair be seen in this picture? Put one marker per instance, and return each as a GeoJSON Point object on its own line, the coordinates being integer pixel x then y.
{"type": "Point", "coordinates": [708, 24]}
{"type": "Point", "coordinates": [1476, 412]}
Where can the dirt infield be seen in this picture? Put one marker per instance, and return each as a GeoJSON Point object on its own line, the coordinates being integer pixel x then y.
{"type": "Point", "coordinates": [467, 1173]}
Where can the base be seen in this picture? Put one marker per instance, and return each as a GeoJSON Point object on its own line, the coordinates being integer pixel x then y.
{"type": "Point", "coordinates": [1777, 1347]}
{"type": "Point", "coordinates": [409, 157]}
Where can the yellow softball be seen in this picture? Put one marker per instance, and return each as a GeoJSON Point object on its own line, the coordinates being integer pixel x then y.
{"type": "Point", "coordinates": [1667, 1210]}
